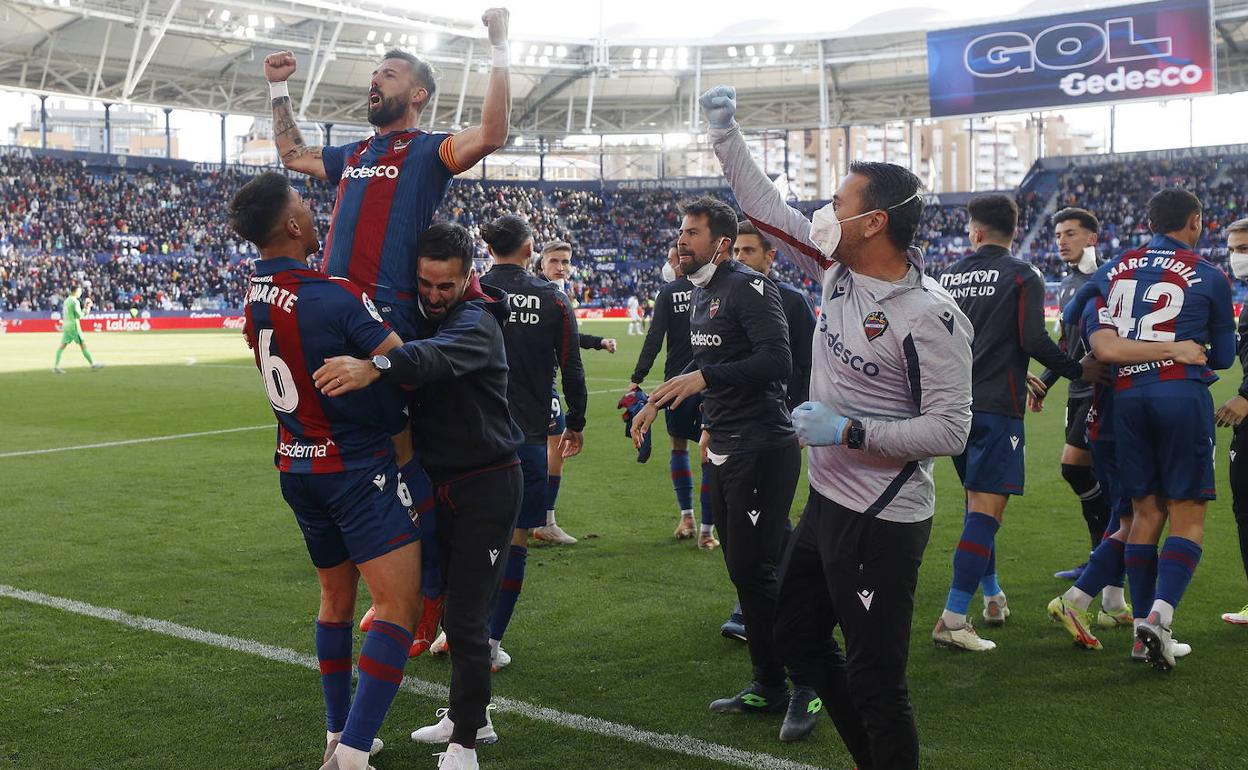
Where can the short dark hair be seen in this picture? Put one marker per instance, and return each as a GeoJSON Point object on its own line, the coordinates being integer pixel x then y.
{"type": "Point", "coordinates": [421, 69]}
{"type": "Point", "coordinates": [506, 234]}
{"type": "Point", "coordinates": [995, 211]}
{"type": "Point", "coordinates": [746, 227]}
{"type": "Point", "coordinates": [1169, 209]}
{"type": "Point", "coordinates": [445, 241]}
{"type": "Point", "coordinates": [721, 220]}
{"type": "Point", "coordinates": [887, 186]}
{"type": "Point", "coordinates": [258, 206]}
{"type": "Point", "coordinates": [1086, 219]}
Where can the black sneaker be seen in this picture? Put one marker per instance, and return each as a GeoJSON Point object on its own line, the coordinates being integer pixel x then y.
{"type": "Point", "coordinates": [734, 626]}
{"type": "Point", "coordinates": [754, 699]}
{"type": "Point", "coordinates": [802, 714]}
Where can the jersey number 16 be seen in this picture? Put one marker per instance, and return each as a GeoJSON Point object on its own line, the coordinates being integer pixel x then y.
{"type": "Point", "coordinates": [279, 382]}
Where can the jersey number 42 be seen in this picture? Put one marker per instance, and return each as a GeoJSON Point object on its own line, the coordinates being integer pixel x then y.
{"type": "Point", "coordinates": [1122, 308]}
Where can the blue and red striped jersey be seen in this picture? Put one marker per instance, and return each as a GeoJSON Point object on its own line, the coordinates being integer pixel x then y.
{"type": "Point", "coordinates": [1100, 419]}
{"type": "Point", "coordinates": [1166, 292]}
{"type": "Point", "coordinates": [389, 186]}
{"type": "Point", "coordinates": [297, 318]}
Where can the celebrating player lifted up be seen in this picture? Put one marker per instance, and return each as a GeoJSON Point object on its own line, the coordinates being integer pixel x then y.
{"type": "Point", "coordinates": [390, 184]}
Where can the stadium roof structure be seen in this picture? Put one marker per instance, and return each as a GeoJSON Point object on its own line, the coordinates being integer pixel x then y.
{"type": "Point", "coordinates": [206, 55]}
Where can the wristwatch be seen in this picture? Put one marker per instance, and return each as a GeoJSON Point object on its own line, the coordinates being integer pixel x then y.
{"type": "Point", "coordinates": [856, 436]}
{"type": "Point", "coordinates": [381, 364]}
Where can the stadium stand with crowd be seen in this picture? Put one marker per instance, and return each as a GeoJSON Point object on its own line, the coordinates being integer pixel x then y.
{"type": "Point", "coordinates": [152, 239]}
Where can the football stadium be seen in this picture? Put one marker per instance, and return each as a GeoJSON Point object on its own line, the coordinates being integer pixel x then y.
{"type": "Point", "coordinates": [623, 385]}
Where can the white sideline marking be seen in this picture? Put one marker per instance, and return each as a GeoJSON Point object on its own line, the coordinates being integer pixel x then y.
{"type": "Point", "coordinates": [126, 442]}
{"type": "Point", "coordinates": [679, 744]}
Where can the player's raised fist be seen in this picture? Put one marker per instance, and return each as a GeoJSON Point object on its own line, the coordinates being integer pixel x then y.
{"type": "Point", "coordinates": [720, 105]}
{"type": "Point", "coordinates": [495, 20]}
{"type": "Point", "coordinates": [279, 66]}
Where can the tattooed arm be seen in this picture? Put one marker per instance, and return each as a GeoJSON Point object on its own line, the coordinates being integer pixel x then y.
{"type": "Point", "coordinates": [295, 153]}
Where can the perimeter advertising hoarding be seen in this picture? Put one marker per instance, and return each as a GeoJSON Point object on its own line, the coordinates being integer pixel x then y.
{"type": "Point", "coordinates": [1145, 51]}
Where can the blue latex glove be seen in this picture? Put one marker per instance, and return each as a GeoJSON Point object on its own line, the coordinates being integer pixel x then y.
{"type": "Point", "coordinates": [720, 106]}
{"type": "Point", "coordinates": [818, 425]}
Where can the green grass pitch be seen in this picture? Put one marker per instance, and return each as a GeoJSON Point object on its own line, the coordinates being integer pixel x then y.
{"type": "Point", "coordinates": [622, 626]}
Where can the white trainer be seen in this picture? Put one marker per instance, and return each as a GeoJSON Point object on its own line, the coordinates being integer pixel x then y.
{"type": "Point", "coordinates": [1139, 653]}
{"type": "Point", "coordinates": [996, 610]}
{"type": "Point", "coordinates": [499, 659]}
{"type": "Point", "coordinates": [456, 757]}
{"type": "Point", "coordinates": [336, 760]}
{"type": "Point", "coordinates": [553, 533]}
{"type": "Point", "coordinates": [1237, 618]}
{"type": "Point", "coordinates": [441, 731]}
{"type": "Point", "coordinates": [1158, 642]}
{"type": "Point", "coordinates": [333, 744]}
{"type": "Point", "coordinates": [439, 646]}
{"type": "Point", "coordinates": [963, 638]}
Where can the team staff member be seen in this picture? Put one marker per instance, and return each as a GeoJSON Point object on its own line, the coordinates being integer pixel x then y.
{"type": "Point", "coordinates": [1003, 297]}
{"type": "Point", "coordinates": [465, 438]}
{"type": "Point", "coordinates": [741, 358]}
{"type": "Point", "coordinates": [1075, 231]}
{"type": "Point", "coordinates": [337, 462]}
{"type": "Point", "coordinates": [755, 251]}
{"type": "Point", "coordinates": [390, 184]}
{"type": "Point", "coordinates": [555, 265]}
{"type": "Point", "coordinates": [1234, 411]}
{"type": "Point", "coordinates": [540, 336]}
{"type": "Point", "coordinates": [684, 422]}
{"type": "Point", "coordinates": [893, 345]}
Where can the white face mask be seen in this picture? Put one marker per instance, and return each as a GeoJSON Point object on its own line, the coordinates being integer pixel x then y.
{"type": "Point", "coordinates": [1087, 263]}
{"type": "Point", "coordinates": [668, 272]}
{"type": "Point", "coordinates": [1239, 265]}
{"type": "Point", "coordinates": [825, 228]}
{"type": "Point", "coordinates": [702, 276]}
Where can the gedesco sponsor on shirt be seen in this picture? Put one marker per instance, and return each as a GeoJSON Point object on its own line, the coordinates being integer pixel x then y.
{"type": "Point", "coordinates": [368, 172]}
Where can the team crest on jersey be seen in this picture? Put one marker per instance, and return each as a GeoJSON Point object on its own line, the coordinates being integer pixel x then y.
{"type": "Point", "coordinates": [714, 309]}
{"type": "Point", "coordinates": [875, 324]}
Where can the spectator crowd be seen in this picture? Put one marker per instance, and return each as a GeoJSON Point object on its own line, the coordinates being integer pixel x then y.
{"type": "Point", "coordinates": [159, 240]}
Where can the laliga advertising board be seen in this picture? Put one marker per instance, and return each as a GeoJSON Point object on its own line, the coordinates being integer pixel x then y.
{"type": "Point", "coordinates": [1145, 51]}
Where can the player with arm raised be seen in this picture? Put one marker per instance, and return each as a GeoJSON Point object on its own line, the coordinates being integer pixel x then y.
{"type": "Point", "coordinates": [890, 386]}
{"type": "Point", "coordinates": [390, 184]}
